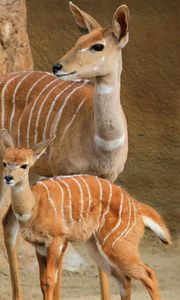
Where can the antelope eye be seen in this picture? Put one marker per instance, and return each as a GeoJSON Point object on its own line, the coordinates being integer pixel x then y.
{"type": "Point", "coordinates": [24, 166]}
{"type": "Point", "coordinates": [97, 47]}
{"type": "Point", "coordinates": [4, 164]}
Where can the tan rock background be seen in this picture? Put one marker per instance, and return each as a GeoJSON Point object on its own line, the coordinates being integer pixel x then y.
{"type": "Point", "coordinates": [15, 53]}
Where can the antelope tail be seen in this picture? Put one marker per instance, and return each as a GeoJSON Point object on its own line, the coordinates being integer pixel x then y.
{"type": "Point", "coordinates": [154, 221]}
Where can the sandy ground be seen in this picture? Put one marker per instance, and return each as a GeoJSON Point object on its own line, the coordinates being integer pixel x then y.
{"type": "Point", "coordinates": [84, 284]}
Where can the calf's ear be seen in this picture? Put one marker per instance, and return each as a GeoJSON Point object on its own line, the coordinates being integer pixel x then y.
{"type": "Point", "coordinates": [6, 140]}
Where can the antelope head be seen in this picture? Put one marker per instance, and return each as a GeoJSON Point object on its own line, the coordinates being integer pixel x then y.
{"type": "Point", "coordinates": [98, 51]}
{"type": "Point", "coordinates": [17, 161]}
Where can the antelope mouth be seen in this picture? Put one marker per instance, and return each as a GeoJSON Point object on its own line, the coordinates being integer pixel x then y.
{"type": "Point", "coordinates": [10, 183]}
{"type": "Point", "coordinates": [63, 74]}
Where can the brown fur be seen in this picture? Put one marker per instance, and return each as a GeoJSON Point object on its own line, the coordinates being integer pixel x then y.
{"type": "Point", "coordinates": [89, 209]}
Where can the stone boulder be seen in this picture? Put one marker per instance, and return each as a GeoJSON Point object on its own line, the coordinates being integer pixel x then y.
{"type": "Point", "coordinates": [15, 52]}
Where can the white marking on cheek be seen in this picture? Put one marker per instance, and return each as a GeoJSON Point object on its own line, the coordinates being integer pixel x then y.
{"type": "Point", "coordinates": [82, 50]}
{"type": "Point", "coordinates": [104, 89]}
{"type": "Point", "coordinates": [23, 217]}
{"type": "Point", "coordinates": [109, 145]}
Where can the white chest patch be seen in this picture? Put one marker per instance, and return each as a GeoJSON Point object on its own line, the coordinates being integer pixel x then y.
{"type": "Point", "coordinates": [23, 217]}
{"type": "Point", "coordinates": [104, 89]}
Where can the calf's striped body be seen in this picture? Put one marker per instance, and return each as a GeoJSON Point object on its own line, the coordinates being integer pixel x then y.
{"type": "Point", "coordinates": [81, 208]}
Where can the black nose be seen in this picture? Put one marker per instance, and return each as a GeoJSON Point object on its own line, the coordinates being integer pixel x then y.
{"type": "Point", "coordinates": [8, 178]}
{"type": "Point", "coordinates": [57, 67]}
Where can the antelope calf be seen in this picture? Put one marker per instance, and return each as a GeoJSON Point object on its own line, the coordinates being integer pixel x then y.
{"type": "Point", "coordinates": [80, 208]}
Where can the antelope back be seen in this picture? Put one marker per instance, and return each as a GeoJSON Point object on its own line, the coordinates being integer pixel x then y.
{"type": "Point", "coordinates": [96, 205]}
{"type": "Point", "coordinates": [35, 104]}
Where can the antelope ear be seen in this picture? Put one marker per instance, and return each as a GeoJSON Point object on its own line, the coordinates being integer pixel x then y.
{"type": "Point", "coordinates": [6, 140]}
{"type": "Point", "coordinates": [40, 148]}
{"type": "Point", "coordinates": [85, 22]}
{"type": "Point", "coordinates": [120, 22]}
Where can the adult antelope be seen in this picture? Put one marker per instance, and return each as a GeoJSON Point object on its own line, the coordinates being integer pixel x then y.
{"type": "Point", "coordinates": [87, 119]}
{"type": "Point", "coordinates": [80, 208]}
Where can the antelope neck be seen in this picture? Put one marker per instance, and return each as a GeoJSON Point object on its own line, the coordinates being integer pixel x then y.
{"type": "Point", "coordinates": [23, 200]}
{"type": "Point", "coordinates": [108, 119]}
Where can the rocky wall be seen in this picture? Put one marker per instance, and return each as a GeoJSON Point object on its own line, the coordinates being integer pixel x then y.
{"type": "Point", "coordinates": [15, 53]}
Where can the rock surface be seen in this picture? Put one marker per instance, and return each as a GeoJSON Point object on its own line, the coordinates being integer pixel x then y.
{"type": "Point", "coordinates": [15, 53]}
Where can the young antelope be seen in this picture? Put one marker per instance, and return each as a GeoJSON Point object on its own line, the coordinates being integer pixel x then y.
{"type": "Point", "coordinates": [84, 208]}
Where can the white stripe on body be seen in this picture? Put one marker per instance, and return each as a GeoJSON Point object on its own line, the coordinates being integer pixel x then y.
{"type": "Point", "coordinates": [108, 206]}
{"type": "Point", "coordinates": [119, 219]}
{"type": "Point", "coordinates": [126, 230]}
{"type": "Point", "coordinates": [72, 120]}
{"type": "Point", "coordinates": [40, 110]}
{"type": "Point", "coordinates": [26, 102]}
{"type": "Point", "coordinates": [58, 116]}
{"type": "Point", "coordinates": [14, 100]}
{"type": "Point", "coordinates": [32, 109]}
{"type": "Point", "coordinates": [52, 106]}
{"type": "Point", "coordinates": [62, 198]}
{"type": "Point", "coordinates": [49, 198]}
{"type": "Point", "coordinates": [100, 196]}
{"type": "Point", "coordinates": [134, 223]}
{"type": "Point", "coordinates": [70, 198]}
{"type": "Point", "coordinates": [81, 197]}
{"type": "Point", "coordinates": [3, 96]}
{"type": "Point", "coordinates": [89, 193]}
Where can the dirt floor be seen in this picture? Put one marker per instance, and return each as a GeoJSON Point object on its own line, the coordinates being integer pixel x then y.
{"type": "Point", "coordinates": [150, 97]}
{"type": "Point", "coordinates": [84, 284]}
